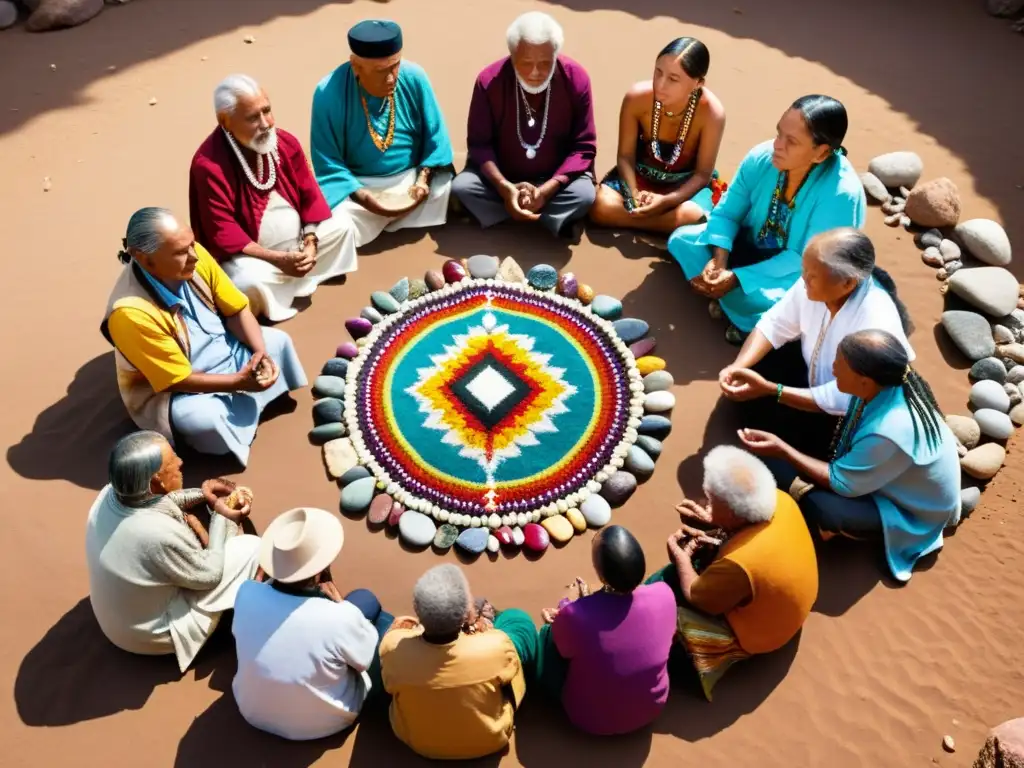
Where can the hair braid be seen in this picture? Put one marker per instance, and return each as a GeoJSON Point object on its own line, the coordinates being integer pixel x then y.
{"type": "Point", "coordinates": [922, 406]}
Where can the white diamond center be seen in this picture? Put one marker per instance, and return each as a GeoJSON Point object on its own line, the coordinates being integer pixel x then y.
{"type": "Point", "coordinates": [490, 388]}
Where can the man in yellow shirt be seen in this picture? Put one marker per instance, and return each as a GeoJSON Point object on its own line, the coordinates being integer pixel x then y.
{"type": "Point", "coordinates": [456, 679]}
{"type": "Point", "coordinates": [192, 361]}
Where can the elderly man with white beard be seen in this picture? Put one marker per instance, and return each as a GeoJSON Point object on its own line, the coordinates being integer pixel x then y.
{"type": "Point", "coordinates": [531, 135]}
{"type": "Point", "coordinates": [255, 205]}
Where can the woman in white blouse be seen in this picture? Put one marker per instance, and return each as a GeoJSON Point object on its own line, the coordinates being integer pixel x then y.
{"type": "Point", "coordinates": [789, 355]}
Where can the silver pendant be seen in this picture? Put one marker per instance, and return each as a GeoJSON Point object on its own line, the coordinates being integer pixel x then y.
{"type": "Point", "coordinates": [530, 153]}
{"type": "Point", "coordinates": [530, 123]}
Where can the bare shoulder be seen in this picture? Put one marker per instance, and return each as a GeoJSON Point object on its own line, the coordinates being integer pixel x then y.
{"type": "Point", "coordinates": [712, 104]}
{"type": "Point", "coordinates": [639, 93]}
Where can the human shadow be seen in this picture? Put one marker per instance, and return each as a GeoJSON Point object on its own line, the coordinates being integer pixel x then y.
{"type": "Point", "coordinates": [528, 245]}
{"type": "Point", "coordinates": [74, 674]}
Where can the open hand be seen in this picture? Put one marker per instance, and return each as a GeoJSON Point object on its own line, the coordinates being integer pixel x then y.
{"type": "Point", "coordinates": [690, 509]}
{"type": "Point", "coordinates": [763, 443]}
{"type": "Point", "coordinates": [744, 384]}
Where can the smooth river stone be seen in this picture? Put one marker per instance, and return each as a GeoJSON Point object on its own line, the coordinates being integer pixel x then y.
{"type": "Point", "coordinates": [989, 368]}
{"type": "Point", "coordinates": [453, 272]}
{"type": "Point", "coordinates": [325, 433]}
{"type": "Point", "coordinates": [969, 498]}
{"type": "Point", "coordinates": [504, 536]}
{"type": "Point", "coordinates": [1015, 375]}
{"type": "Point", "coordinates": [630, 329]}
{"type": "Point", "coordinates": [658, 381]}
{"type": "Point", "coordinates": [483, 267]}
{"type": "Point", "coordinates": [985, 240]}
{"type": "Point", "coordinates": [445, 536]}
{"type": "Point", "coordinates": [328, 410]}
{"type": "Point", "coordinates": [395, 514]}
{"type": "Point", "coordinates": [983, 462]}
{"type": "Point", "coordinates": [606, 307]}
{"type": "Point", "coordinates": [416, 529]}
{"type": "Point", "coordinates": [970, 332]}
{"type": "Point", "coordinates": [543, 277]}
{"type": "Point", "coordinates": [1017, 414]}
{"type": "Point", "coordinates": [1014, 352]}
{"type": "Point", "coordinates": [585, 294]}
{"type": "Point", "coordinates": [596, 511]}
{"type": "Point", "coordinates": [576, 519]}
{"type": "Point", "coordinates": [358, 327]}
{"type": "Point", "coordinates": [535, 538]}
{"type": "Point", "coordinates": [356, 497]}
{"type": "Point", "coordinates": [639, 463]}
{"type": "Point", "coordinates": [874, 188]}
{"type": "Point", "coordinates": [347, 351]}
{"type": "Point", "coordinates": [329, 386]}
{"type": "Point", "coordinates": [993, 290]}
{"type": "Point", "coordinates": [643, 347]}
{"type": "Point", "coordinates": [568, 285]}
{"type": "Point", "coordinates": [434, 279]}
{"type": "Point", "coordinates": [989, 394]}
{"type": "Point", "coordinates": [618, 488]}
{"type": "Point", "coordinates": [897, 169]}
{"type": "Point", "coordinates": [400, 290]}
{"type": "Point", "coordinates": [341, 461]}
{"type": "Point", "coordinates": [518, 537]}
{"type": "Point", "coordinates": [558, 528]}
{"type": "Point", "coordinates": [336, 366]}
{"type": "Point", "coordinates": [649, 364]}
{"type": "Point", "coordinates": [655, 426]}
{"type": "Point", "coordinates": [659, 402]}
{"type": "Point", "coordinates": [965, 428]}
{"type": "Point", "coordinates": [385, 302]}
{"type": "Point", "coordinates": [371, 314]}
{"type": "Point", "coordinates": [511, 272]}
{"type": "Point", "coordinates": [994, 424]}
{"type": "Point", "coordinates": [417, 288]}
{"type": "Point", "coordinates": [473, 540]}
{"type": "Point", "coordinates": [380, 508]}
{"type": "Point", "coordinates": [649, 445]}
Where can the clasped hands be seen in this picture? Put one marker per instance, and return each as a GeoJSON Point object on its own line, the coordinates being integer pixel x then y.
{"type": "Point", "coordinates": [687, 539]}
{"type": "Point", "coordinates": [715, 280]}
{"type": "Point", "coordinates": [523, 201]}
{"type": "Point", "coordinates": [259, 374]}
{"type": "Point", "coordinates": [298, 263]}
{"type": "Point", "coordinates": [648, 203]}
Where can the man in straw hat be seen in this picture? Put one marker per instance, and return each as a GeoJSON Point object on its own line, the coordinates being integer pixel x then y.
{"type": "Point", "coordinates": [307, 658]}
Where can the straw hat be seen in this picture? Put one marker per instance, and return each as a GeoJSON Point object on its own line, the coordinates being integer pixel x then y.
{"type": "Point", "coordinates": [300, 543]}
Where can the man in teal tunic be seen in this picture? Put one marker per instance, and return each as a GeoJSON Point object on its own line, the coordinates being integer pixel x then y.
{"type": "Point", "coordinates": [380, 148]}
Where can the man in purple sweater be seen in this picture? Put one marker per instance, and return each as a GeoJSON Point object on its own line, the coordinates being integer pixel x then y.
{"type": "Point", "coordinates": [531, 136]}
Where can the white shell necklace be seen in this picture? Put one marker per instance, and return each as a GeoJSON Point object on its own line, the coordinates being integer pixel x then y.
{"type": "Point", "coordinates": [271, 179]}
{"type": "Point", "coordinates": [531, 149]}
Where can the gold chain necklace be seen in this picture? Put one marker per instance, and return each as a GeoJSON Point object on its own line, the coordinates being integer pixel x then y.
{"type": "Point", "coordinates": [381, 144]}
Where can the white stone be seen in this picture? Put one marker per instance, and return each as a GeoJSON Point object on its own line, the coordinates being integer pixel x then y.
{"type": "Point", "coordinates": [985, 240]}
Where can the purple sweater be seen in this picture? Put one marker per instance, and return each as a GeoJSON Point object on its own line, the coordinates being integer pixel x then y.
{"type": "Point", "coordinates": [570, 142]}
{"type": "Point", "coordinates": [617, 647]}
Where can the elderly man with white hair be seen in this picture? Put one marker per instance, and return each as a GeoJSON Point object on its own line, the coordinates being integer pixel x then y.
{"type": "Point", "coordinates": [456, 677]}
{"type": "Point", "coordinates": [531, 135]}
{"type": "Point", "coordinates": [763, 579]}
{"type": "Point", "coordinates": [255, 205]}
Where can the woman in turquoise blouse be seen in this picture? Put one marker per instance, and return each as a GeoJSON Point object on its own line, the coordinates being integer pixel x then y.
{"type": "Point", "coordinates": [894, 468]}
{"type": "Point", "coordinates": [786, 191]}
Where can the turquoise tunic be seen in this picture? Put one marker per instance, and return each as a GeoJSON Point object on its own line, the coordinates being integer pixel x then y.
{"type": "Point", "coordinates": [831, 197]}
{"type": "Point", "coordinates": [340, 142]}
{"type": "Point", "coordinates": [916, 486]}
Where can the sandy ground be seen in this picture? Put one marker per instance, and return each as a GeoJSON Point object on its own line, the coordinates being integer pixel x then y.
{"type": "Point", "coordinates": [879, 674]}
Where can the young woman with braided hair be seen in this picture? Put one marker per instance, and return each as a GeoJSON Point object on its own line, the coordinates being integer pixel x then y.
{"type": "Point", "coordinates": [893, 467]}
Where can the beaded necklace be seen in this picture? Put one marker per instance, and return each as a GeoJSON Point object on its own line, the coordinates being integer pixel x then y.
{"type": "Point", "coordinates": [775, 224]}
{"type": "Point", "coordinates": [531, 149]}
{"type": "Point", "coordinates": [684, 128]}
{"type": "Point", "coordinates": [254, 178]}
{"type": "Point", "coordinates": [378, 142]}
{"type": "Point", "coordinates": [845, 429]}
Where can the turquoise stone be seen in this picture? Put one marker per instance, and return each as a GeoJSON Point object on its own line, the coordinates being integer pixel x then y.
{"type": "Point", "coordinates": [336, 366]}
{"type": "Point", "coordinates": [324, 433]}
{"type": "Point", "coordinates": [630, 329]}
{"type": "Point", "coordinates": [400, 290]}
{"type": "Point", "coordinates": [606, 307]}
{"type": "Point", "coordinates": [473, 540]}
{"type": "Point", "coordinates": [356, 496]}
{"type": "Point", "coordinates": [543, 277]}
{"type": "Point", "coordinates": [329, 386]}
{"type": "Point", "coordinates": [385, 302]}
{"type": "Point", "coordinates": [328, 410]}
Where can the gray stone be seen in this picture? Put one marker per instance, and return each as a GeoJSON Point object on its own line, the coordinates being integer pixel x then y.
{"type": "Point", "coordinates": [655, 426]}
{"type": "Point", "coordinates": [989, 394]}
{"type": "Point", "coordinates": [965, 429]}
{"type": "Point", "coordinates": [325, 433]}
{"type": "Point", "coordinates": [59, 14]}
{"type": "Point", "coordinates": [985, 240]}
{"type": "Point", "coordinates": [329, 386]}
{"type": "Point", "coordinates": [969, 498]}
{"type": "Point", "coordinates": [1012, 352]}
{"type": "Point", "coordinates": [1013, 392]}
{"type": "Point", "coordinates": [607, 307]}
{"type": "Point", "coordinates": [897, 169]}
{"type": "Point", "coordinates": [928, 238]}
{"type": "Point", "coordinates": [356, 497]}
{"type": "Point", "coordinates": [630, 329]}
{"type": "Point", "coordinates": [400, 290]}
{"type": "Point", "coordinates": [385, 302]}
{"type": "Point", "coordinates": [983, 462]}
{"type": "Point", "coordinates": [328, 410]}
{"type": "Point", "coordinates": [618, 488]}
{"type": "Point", "coordinates": [639, 463]}
{"type": "Point", "coordinates": [950, 251]}
{"type": "Point", "coordinates": [543, 277]}
{"type": "Point", "coordinates": [446, 535]}
{"type": "Point", "coordinates": [336, 366]}
{"type": "Point", "coordinates": [994, 424]}
{"type": "Point", "coordinates": [1015, 375]}
{"type": "Point", "coordinates": [658, 381]}
{"type": "Point", "coordinates": [371, 314]}
{"type": "Point", "coordinates": [8, 14]}
{"type": "Point", "coordinates": [1002, 335]}
{"type": "Point", "coordinates": [952, 267]}
{"type": "Point", "coordinates": [659, 402]}
{"type": "Point", "coordinates": [989, 368]}
{"type": "Point", "coordinates": [483, 267]}
{"type": "Point", "coordinates": [993, 290]}
{"type": "Point", "coordinates": [970, 332]}
{"type": "Point", "coordinates": [874, 188]}
{"type": "Point", "coordinates": [651, 446]}
{"type": "Point", "coordinates": [356, 473]}
{"type": "Point", "coordinates": [416, 529]}
{"type": "Point", "coordinates": [473, 540]}
{"type": "Point", "coordinates": [596, 511]}
{"type": "Point", "coordinates": [932, 257]}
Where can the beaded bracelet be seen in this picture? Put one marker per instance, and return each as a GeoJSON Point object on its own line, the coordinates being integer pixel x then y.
{"type": "Point", "coordinates": [778, 393]}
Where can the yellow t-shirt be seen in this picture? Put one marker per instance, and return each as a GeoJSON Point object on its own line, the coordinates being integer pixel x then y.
{"type": "Point", "coordinates": [147, 340]}
{"type": "Point", "coordinates": [454, 701]}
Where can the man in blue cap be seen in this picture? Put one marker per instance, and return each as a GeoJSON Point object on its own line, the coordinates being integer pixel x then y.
{"type": "Point", "coordinates": [380, 148]}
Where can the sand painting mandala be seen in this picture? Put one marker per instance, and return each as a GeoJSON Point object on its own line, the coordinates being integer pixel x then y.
{"type": "Point", "coordinates": [487, 412]}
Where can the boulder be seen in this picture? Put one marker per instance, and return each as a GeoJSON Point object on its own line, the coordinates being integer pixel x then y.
{"type": "Point", "coordinates": [874, 188]}
{"type": "Point", "coordinates": [935, 203]}
{"type": "Point", "coordinates": [965, 428]}
{"type": "Point", "coordinates": [59, 14]}
{"type": "Point", "coordinates": [1015, 375]}
{"type": "Point", "coordinates": [985, 240]}
{"type": "Point", "coordinates": [340, 459]}
{"type": "Point", "coordinates": [970, 332]}
{"type": "Point", "coordinates": [932, 256]}
{"type": "Point", "coordinates": [994, 424]}
{"type": "Point", "coordinates": [983, 462]}
{"type": "Point", "coordinates": [989, 394]}
{"type": "Point", "coordinates": [416, 529]}
{"type": "Point", "coordinates": [897, 169]}
{"type": "Point", "coordinates": [1004, 747]}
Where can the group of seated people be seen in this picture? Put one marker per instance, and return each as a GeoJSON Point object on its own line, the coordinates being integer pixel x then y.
{"type": "Point", "coordinates": [841, 436]}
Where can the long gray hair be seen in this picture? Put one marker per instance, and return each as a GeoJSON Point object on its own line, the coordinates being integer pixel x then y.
{"type": "Point", "coordinates": [133, 462]}
{"type": "Point", "coordinates": [147, 230]}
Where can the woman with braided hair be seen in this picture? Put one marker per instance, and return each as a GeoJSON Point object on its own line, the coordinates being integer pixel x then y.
{"type": "Point", "coordinates": [893, 467]}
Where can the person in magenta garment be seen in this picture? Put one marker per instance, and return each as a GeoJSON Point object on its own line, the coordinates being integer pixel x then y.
{"type": "Point", "coordinates": [605, 655]}
{"type": "Point", "coordinates": [255, 205]}
{"type": "Point", "coordinates": [531, 136]}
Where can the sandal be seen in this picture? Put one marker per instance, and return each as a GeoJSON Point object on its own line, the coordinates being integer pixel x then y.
{"type": "Point", "coordinates": [734, 335]}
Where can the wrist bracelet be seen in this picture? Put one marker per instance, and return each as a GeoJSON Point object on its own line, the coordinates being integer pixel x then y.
{"type": "Point", "coordinates": [778, 394]}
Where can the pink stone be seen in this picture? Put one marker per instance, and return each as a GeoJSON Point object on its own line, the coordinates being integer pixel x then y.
{"type": "Point", "coordinates": [453, 271]}
{"type": "Point", "coordinates": [536, 538]}
{"type": "Point", "coordinates": [434, 280]}
{"type": "Point", "coordinates": [568, 285]}
{"type": "Point", "coordinates": [348, 350]}
{"type": "Point", "coordinates": [643, 347]}
{"type": "Point", "coordinates": [358, 327]}
{"type": "Point", "coordinates": [380, 509]}
{"type": "Point", "coordinates": [504, 536]}
{"type": "Point", "coordinates": [396, 512]}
